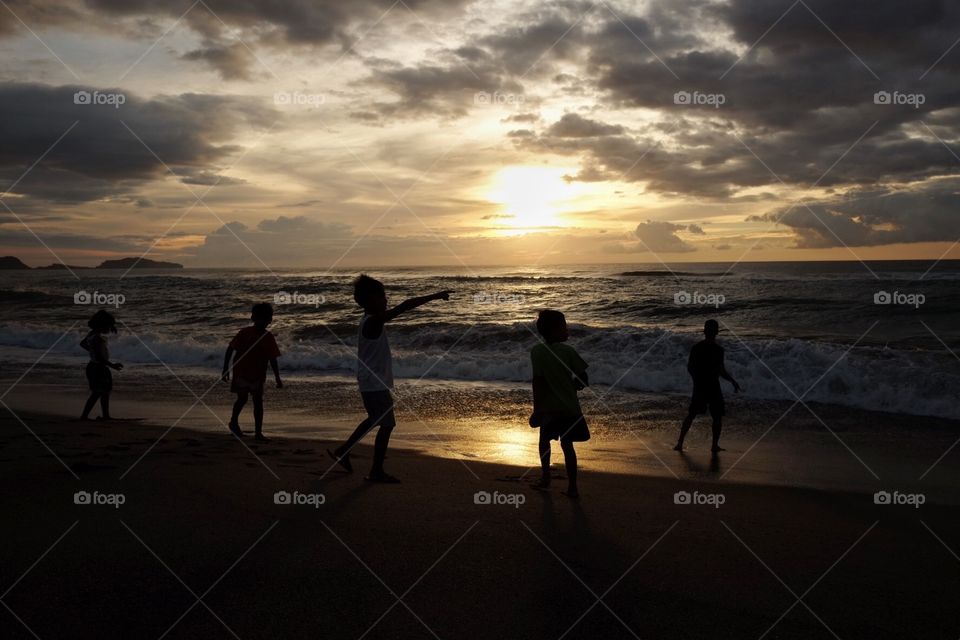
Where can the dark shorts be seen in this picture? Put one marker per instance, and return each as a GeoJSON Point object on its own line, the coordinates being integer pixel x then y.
{"type": "Point", "coordinates": [379, 407]}
{"type": "Point", "coordinates": [572, 428]}
{"type": "Point", "coordinates": [243, 385]}
{"type": "Point", "coordinates": [710, 398]}
{"type": "Point", "coordinates": [99, 377]}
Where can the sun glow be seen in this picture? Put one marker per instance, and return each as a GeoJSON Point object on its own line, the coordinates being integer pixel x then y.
{"type": "Point", "coordinates": [532, 197]}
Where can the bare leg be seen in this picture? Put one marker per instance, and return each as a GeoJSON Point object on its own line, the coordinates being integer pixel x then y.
{"type": "Point", "coordinates": [105, 405]}
{"type": "Point", "coordinates": [544, 447]}
{"type": "Point", "coordinates": [258, 416]}
{"type": "Point", "coordinates": [717, 426]}
{"type": "Point", "coordinates": [87, 408]}
{"type": "Point", "coordinates": [684, 427]}
{"type": "Point", "coordinates": [380, 449]}
{"type": "Point", "coordinates": [362, 429]}
{"type": "Point", "coordinates": [235, 415]}
{"type": "Point", "coordinates": [570, 461]}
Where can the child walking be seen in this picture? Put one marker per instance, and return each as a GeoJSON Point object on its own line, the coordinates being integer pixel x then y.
{"type": "Point", "coordinates": [255, 347]}
{"type": "Point", "coordinates": [558, 373]}
{"type": "Point", "coordinates": [375, 371]}
{"type": "Point", "coordinates": [98, 368]}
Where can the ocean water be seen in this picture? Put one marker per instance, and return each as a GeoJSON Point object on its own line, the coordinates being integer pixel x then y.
{"type": "Point", "coordinates": [880, 337]}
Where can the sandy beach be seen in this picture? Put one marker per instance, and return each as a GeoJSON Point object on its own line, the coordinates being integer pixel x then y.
{"type": "Point", "coordinates": [198, 519]}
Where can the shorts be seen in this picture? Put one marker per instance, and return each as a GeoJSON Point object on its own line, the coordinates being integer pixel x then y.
{"type": "Point", "coordinates": [245, 385]}
{"type": "Point", "coordinates": [379, 406]}
{"type": "Point", "coordinates": [711, 398]}
{"type": "Point", "coordinates": [99, 377]}
{"type": "Point", "coordinates": [572, 428]}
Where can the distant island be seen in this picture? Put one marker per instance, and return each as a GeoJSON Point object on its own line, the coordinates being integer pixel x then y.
{"type": "Point", "coordinates": [137, 263]}
{"type": "Point", "coordinates": [14, 263]}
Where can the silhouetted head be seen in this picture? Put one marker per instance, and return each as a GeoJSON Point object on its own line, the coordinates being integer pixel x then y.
{"type": "Point", "coordinates": [552, 325]}
{"type": "Point", "coordinates": [370, 294]}
{"type": "Point", "coordinates": [103, 322]}
{"type": "Point", "coordinates": [710, 329]}
{"type": "Point", "coordinates": [262, 314]}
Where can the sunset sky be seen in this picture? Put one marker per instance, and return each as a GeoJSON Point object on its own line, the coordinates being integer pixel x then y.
{"type": "Point", "coordinates": [370, 132]}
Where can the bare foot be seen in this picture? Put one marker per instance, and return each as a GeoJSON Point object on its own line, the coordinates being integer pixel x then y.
{"type": "Point", "coordinates": [716, 448]}
{"type": "Point", "coordinates": [679, 447]}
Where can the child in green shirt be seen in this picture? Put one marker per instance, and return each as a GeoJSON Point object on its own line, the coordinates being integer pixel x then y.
{"type": "Point", "coordinates": [558, 373]}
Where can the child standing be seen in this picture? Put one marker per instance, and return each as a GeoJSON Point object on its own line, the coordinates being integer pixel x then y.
{"type": "Point", "coordinates": [706, 368]}
{"type": "Point", "coordinates": [98, 369]}
{"type": "Point", "coordinates": [255, 347]}
{"type": "Point", "coordinates": [558, 373]}
{"type": "Point", "coordinates": [375, 371]}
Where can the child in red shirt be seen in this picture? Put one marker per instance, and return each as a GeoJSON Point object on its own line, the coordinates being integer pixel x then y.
{"type": "Point", "coordinates": [255, 347]}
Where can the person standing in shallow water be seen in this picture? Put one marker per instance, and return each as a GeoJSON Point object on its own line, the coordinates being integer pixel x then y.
{"type": "Point", "coordinates": [706, 368]}
{"type": "Point", "coordinates": [98, 369]}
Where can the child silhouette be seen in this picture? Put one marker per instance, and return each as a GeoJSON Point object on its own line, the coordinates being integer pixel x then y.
{"type": "Point", "coordinates": [99, 376]}
{"type": "Point", "coordinates": [255, 347]}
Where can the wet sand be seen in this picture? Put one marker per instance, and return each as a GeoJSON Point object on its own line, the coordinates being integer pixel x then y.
{"type": "Point", "coordinates": [199, 520]}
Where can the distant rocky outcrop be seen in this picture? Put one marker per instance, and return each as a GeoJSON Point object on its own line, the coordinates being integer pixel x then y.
{"type": "Point", "coordinates": [137, 263]}
{"type": "Point", "coordinates": [60, 266]}
{"type": "Point", "coordinates": [10, 262]}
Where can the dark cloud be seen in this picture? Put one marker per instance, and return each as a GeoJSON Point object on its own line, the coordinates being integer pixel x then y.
{"type": "Point", "coordinates": [231, 61]}
{"type": "Point", "coordinates": [449, 87]}
{"type": "Point", "coordinates": [226, 24]}
{"type": "Point", "coordinates": [571, 125]}
{"type": "Point", "coordinates": [661, 237]}
{"type": "Point", "coordinates": [875, 218]}
{"type": "Point", "coordinates": [101, 155]}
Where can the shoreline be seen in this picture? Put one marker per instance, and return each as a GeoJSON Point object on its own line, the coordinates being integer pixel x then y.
{"type": "Point", "coordinates": [849, 450]}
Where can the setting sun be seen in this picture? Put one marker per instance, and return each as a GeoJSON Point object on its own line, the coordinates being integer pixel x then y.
{"type": "Point", "coordinates": [532, 197]}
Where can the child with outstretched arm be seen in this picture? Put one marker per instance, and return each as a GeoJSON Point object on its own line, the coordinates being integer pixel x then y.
{"type": "Point", "coordinates": [375, 371]}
